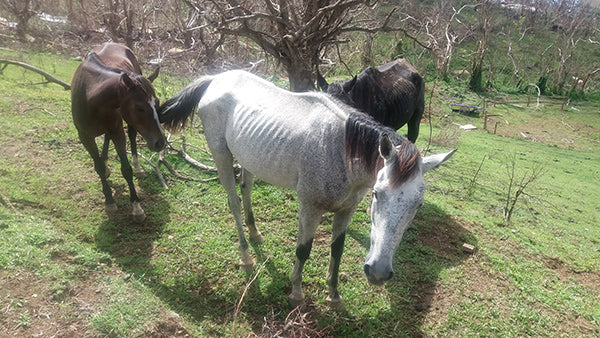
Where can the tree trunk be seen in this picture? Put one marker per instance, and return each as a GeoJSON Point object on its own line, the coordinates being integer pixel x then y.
{"type": "Point", "coordinates": [301, 79]}
{"type": "Point", "coordinates": [476, 81]}
{"type": "Point", "coordinates": [129, 24]}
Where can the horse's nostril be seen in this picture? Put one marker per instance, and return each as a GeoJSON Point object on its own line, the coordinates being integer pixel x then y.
{"type": "Point", "coordinates": [391, 275]}
{"type": "Point", "coordinates": [366, 268]}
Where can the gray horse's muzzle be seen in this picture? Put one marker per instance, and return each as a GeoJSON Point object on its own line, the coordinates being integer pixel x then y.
{"type": "Point", "coordinates": [378, 274]}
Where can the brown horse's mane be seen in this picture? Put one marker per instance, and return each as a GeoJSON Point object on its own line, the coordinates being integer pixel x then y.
{"type": "Point", "coordinates": [363, 134]}
{"type": "Point", "coordinates": [143, 82]}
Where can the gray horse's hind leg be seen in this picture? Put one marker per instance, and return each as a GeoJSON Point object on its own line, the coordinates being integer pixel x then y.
{"type": "Point", "coordinates": [224, 162]}
{"type": "Point", "coordinates": [307, 225]}
{"type": "Point", "coordinates": [246, 184]}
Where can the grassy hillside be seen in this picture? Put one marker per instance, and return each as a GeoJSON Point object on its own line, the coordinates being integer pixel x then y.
{"type": "Point", "coordinates": [67, 268]}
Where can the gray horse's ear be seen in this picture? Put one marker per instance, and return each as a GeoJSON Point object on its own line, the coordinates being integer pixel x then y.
{"type": "Point", "coordinates": [385, 147]}
{"type": "Point", "coordinates": [434, 161]}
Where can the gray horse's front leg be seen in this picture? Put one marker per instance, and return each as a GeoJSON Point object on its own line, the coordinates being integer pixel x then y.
{"type": "Point", "coordinates": [307, 225]}
{"type": "Point", "coordinates": [341, 219]}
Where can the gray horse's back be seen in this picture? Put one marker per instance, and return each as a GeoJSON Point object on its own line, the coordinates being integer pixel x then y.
{"type": "Point", "coordinates": [277, 135]}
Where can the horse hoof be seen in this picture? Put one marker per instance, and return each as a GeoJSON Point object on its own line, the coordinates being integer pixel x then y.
{"type": "Point", "coordinates": [336, 304]}
{"type": "Point", "coordinates": [258, 238]}
{"type": "Point", "coordinates": [139, 218]}
{"type": "Point", "coordinates": [295, 301]}
{"type": "Point", "coordinates": [247, 268]}
{"type": "Point", "coordinates": [111, 208]}
{"type": "Point", "coordinates": [138, 213]}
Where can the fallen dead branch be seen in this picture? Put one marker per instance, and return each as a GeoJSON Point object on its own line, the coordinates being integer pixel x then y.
{"type": "Point", "coordinates": [238, 306]}
{"type": "Point", "coordinates": [183, 154]}
{"type": "Point", "coordinates": [298, 324]}
{"type": "Point", "coordinates": [49, 77]}
{"type": "Point", "coordinates": [157, 170]}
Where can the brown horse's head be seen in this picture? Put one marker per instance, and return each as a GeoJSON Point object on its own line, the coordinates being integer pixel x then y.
{"type": "Point", "coordinates": [139, 106]}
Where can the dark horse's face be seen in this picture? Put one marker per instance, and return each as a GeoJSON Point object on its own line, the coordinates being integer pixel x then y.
{"type": "Point", "coordinates": [139, 109]}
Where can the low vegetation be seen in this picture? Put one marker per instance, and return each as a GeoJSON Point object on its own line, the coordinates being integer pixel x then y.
{"type": "Point", "coordinates": [66, 268]}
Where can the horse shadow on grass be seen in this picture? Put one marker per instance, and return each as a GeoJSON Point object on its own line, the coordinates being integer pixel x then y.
{"type": "Point", "coordinates": [192, 292]}
{"type": "Point", "coordinates": [129, 243]}
{"type": "Point", "coordinates": [431, 245]}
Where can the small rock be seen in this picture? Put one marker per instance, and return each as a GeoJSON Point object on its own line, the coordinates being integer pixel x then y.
{"type": "Point", "coordinates": [468, 248]}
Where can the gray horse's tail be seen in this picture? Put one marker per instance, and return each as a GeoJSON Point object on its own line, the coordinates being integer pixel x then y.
{"type": "Point", "coordinates": [174, 113]}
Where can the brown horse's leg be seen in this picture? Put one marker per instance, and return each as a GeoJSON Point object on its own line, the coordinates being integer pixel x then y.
{"type": "Point", "coordinates": [100, 166]}
{"type": "Point", "coordinates": [120, 145]}
{"type": "Point", "coordinates": [132, 133]}
{"type": "Point", "coordinates": [104, 154]}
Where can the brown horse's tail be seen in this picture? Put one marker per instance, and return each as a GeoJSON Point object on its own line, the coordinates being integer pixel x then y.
{"type": "Point", "coordinates": [175, 112]}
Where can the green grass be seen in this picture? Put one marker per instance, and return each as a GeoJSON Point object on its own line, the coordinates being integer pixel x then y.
{"type": "Point", "coordinates": [537, 275]}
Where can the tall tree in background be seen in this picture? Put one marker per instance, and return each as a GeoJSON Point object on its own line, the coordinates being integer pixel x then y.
{"type": "Point", "coordinates": [575, 24]}
{"type": "Point", "coordinates": [294, 32]}
{"type": "Point", "coordinates": [443, 28]}
{"type": "Point", "coordinates": [482, 31]}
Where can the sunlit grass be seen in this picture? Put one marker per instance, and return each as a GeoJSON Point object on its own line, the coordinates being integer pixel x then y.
{"type": "Point", "coordinates": [184, 256]}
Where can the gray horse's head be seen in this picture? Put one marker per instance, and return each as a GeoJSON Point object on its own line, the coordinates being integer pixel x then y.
{"type": "Point", "coordinates": [393, 208]}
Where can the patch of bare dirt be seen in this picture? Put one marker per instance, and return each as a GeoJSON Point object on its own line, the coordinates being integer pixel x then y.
{"type": "Point", "coordinates": [490, 289]}
{"type": "Point", "coordinates": [29, 308]}
{"type": "Point", "coordinates": [589, 279]}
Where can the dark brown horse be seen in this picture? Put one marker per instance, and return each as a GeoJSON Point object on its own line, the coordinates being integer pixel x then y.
{"type": "Point", "coordinates": [393, 93]}
{"type": "Point", "coordinates": [107, 88]}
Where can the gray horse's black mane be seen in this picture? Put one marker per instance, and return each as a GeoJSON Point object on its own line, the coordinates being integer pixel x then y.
{"type": "Point", "coordinates": [363, 135]}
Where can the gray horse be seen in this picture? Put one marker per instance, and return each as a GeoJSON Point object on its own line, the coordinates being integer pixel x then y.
{"type": "Point", "coordinates": [328, 152]}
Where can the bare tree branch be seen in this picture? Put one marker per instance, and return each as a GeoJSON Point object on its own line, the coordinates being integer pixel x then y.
{"type": "Point", "coordinates": [49, 77]}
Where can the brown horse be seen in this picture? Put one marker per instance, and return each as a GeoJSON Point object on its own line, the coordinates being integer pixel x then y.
{"type": "Point", "coordinates": [107, 88]}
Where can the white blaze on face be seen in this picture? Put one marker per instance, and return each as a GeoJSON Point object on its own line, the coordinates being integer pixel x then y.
{"type": "Point", "coordinates": [152, 103]}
